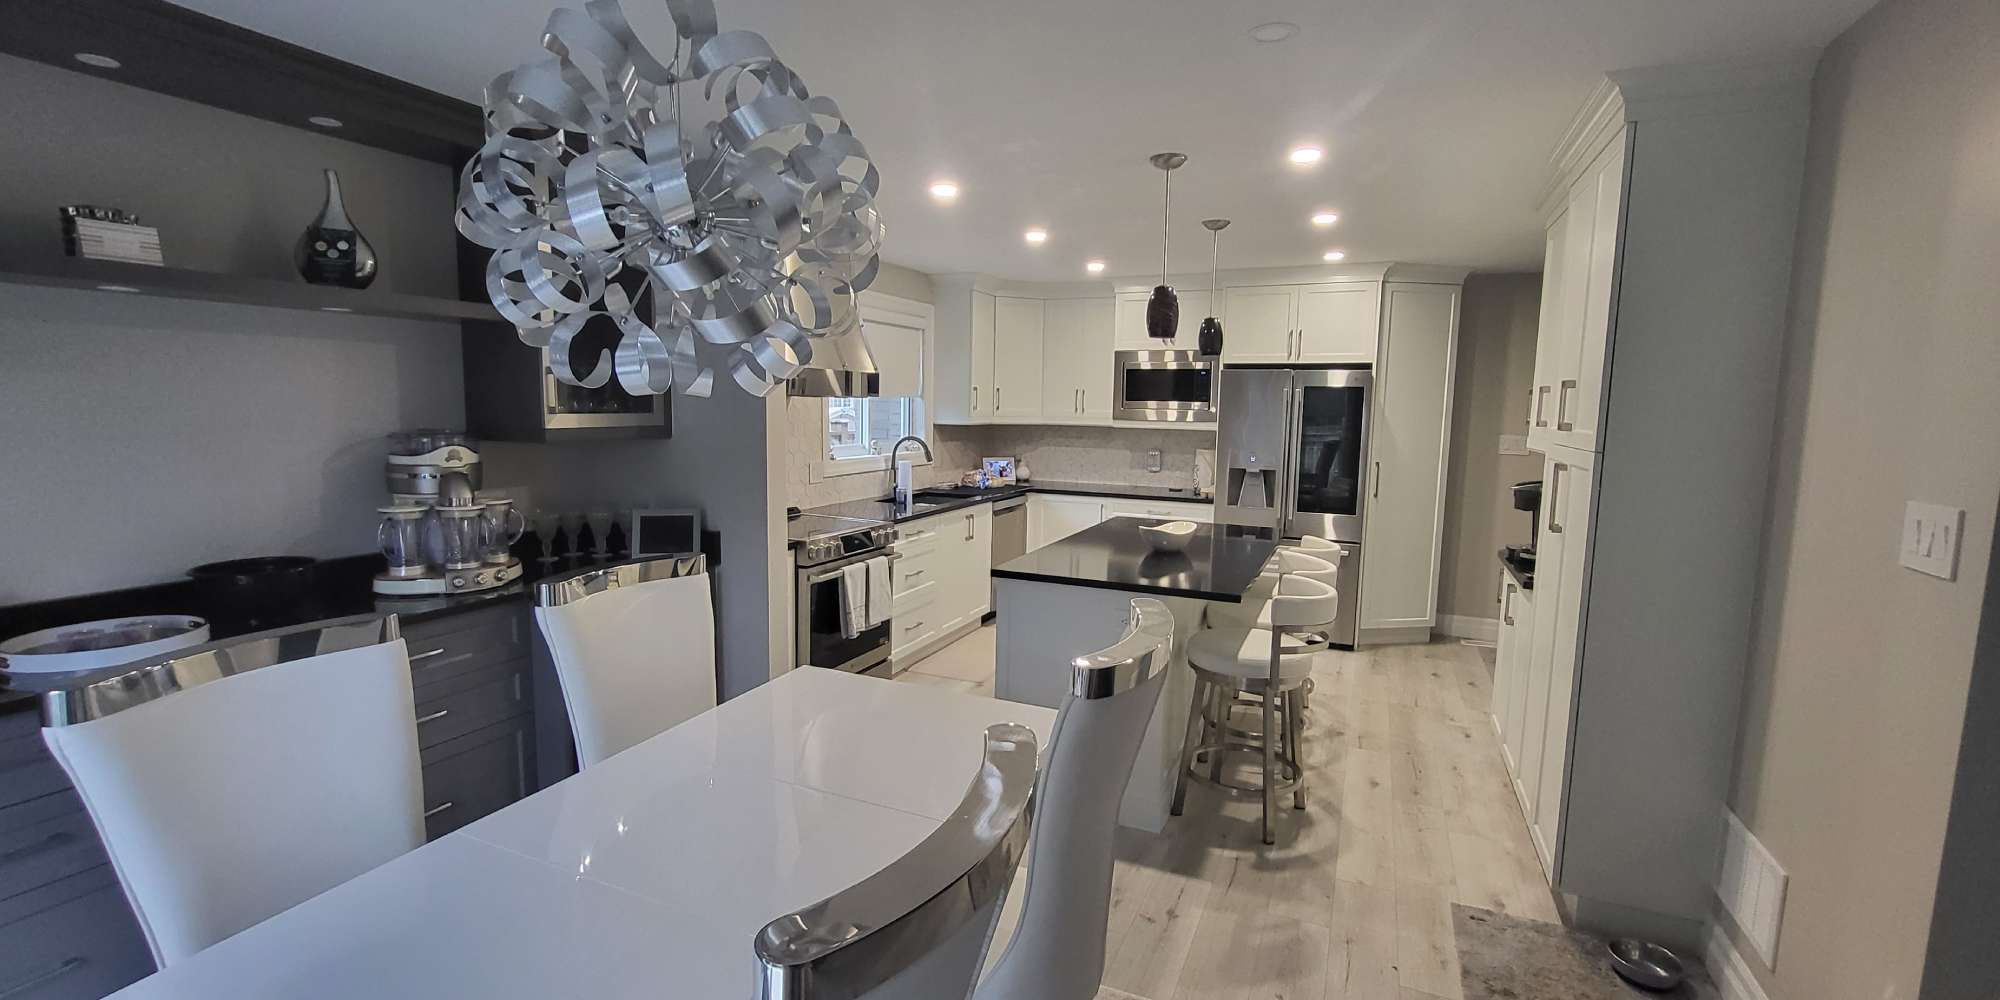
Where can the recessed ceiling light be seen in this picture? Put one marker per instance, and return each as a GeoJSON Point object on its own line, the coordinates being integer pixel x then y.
{"type": "Point", "coordinates": [944, 191]}
{"type": "Point", "coordinates": [1094, 266]}
{"type": "Point", "coordinates": [116, 288]}
{"type": "Point", "coordinates": [335, 309]}
{"type": "Point", "coordinates": [1036, 236]}
{"type": "Point", "coordinates": [1307, 154]}
{"type": "Point", "coordinates": [99, 61]}
{"type": "Point", "coordinates": [1333, 255]}
{"type": "Point", "coordinates": [325, 121]}
{"type": "Point", "coordinates": [1274, 31]}
{"type": "Point", "coordinates": [1325, 218]}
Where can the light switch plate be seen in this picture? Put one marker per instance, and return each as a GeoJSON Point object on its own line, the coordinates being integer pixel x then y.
{"type": "Point", "coordinates": [1931, 538]}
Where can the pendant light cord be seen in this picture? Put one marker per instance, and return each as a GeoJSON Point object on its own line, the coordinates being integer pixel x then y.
{"type": "Point", "coordinates": [1166, 220]}
{"type": "Point", "coordinates": [1214, 255]}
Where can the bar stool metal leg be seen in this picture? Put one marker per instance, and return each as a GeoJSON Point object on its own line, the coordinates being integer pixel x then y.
{"type": "Point", "coordinates": [1295, 743]}
{"type": "Point", "coordinates": [1270, 742]}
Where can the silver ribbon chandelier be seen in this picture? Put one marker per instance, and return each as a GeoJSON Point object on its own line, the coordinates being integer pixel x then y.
{"type": "Point", "coordinates": [750, 233]}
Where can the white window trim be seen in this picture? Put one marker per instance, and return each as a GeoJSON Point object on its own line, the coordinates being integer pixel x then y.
{"type": "Point", "coordinates": [910, 311]}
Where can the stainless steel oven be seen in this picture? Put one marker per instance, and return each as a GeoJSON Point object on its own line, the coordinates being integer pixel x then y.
{"type": "Point", "coordinates": [823, 547]}
{"type": "Point", "coordinates": [1169, 386]}
{"type": "Point", "coordinates": [572, 407]}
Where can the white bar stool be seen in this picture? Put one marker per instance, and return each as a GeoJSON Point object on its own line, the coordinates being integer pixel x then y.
{"type": "Point", "coordinates": [920, 928]}
{"type": "Point", "coordinates": [1272, 662]}
{"type": "Point", "coordinates": [634, 650]}
{"type": "Point", "coordinates": [235, 780]}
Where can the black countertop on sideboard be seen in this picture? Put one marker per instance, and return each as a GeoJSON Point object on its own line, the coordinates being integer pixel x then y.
{"type": "Point", "coordinates": [893, 513]}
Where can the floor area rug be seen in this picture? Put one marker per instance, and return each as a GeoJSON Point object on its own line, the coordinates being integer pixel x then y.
{"type": "Point", "coordinates": [1509, 958]}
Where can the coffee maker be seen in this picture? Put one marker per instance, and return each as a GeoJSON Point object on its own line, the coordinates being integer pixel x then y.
{"type": "Point", "coordinates": [437, 536]}
{"type": "Point", "coordinates": [1528, 497]}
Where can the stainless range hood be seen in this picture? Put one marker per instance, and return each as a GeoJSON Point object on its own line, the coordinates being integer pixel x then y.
{"type": "Point", "coordinates": [841, 367]}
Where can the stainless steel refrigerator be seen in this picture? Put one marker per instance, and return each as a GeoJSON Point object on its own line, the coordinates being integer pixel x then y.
{"type": "Point", "coordinates": [1292, 460]}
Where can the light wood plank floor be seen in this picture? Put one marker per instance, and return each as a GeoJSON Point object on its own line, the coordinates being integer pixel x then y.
{"type": "Point", "coordinates": [1408, 810]}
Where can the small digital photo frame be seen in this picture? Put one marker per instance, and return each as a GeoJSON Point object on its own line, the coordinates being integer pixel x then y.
{"type": "Point", "coordinates": [666, 531]}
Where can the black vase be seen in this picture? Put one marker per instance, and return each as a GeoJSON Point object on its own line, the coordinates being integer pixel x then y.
{"type": "Point", "coordinates": [332, 251]}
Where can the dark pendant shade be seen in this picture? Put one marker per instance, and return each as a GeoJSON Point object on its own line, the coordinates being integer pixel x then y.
{"type": "Point", "coordinates": [1163, 313]}
{"type": "Point", "coordinates": [1209, 341]}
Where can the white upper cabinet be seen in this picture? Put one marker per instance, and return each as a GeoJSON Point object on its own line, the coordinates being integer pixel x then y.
{"type": "Point", "coordinates": [1017, 357]}
{"type": "Point", "coordinates": [1580, 270]}
{"type": "Point", "coordinates": [1331, 323]}
{"type": "Point", "coordinates": [1257, 325]}
{"type": "Point", "coordinates": [1131, 321]}
{"type": "Point", "coordinates": [982, 355]}
{"type": "Point", "coordinates": [1076, 359]}
{"type": "Point", "coordinates": [1408, 446]}
{"type": "Point", "coordinates": [1337, 323]}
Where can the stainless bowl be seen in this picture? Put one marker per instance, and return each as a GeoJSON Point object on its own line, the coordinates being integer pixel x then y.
{"type": "Point", "coordinates": [90, 645]}
{"type": "Point", "coordinates": [1645, 964]}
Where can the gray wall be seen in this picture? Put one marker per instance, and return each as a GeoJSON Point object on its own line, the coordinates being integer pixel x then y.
{"type": "Point", "coordinates": [1496, 370]}
{"type": "Point", "coordinates": [142, 436]}
{"type": "Point", "coordinates": [1859, 669]}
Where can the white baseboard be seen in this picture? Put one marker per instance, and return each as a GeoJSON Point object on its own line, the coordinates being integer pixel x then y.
{"type": "Point", "coordinates": [1465, 627]}
{"type": "Point", "coordinates": [1732, 975]}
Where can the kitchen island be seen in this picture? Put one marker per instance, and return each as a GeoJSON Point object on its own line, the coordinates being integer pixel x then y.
{"type": "Point", "coordinates": [1076, 594]}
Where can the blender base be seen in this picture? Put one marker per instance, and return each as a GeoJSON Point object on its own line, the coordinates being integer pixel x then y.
{"type": "Point", "coordinates": [454, 581]}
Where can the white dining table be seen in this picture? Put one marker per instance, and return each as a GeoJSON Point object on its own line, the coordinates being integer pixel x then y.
{"type": "Point", "coordinates": [644, 876]}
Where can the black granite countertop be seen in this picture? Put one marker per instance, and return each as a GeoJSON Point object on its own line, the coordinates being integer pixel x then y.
{"type": "Point", "coordinates": [890, 512]}
{"type": "Point", "coordinates": [1522, 573]}
{"type": "Point", "coordinates": [1216, 566]}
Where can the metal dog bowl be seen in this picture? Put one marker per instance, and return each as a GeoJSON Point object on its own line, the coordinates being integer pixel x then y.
{"type": "Point", "coordinates": [1646, 965]}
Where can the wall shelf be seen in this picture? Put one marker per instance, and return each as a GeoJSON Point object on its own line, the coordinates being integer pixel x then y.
{"type": "Point", "coordinates": [209, 286]}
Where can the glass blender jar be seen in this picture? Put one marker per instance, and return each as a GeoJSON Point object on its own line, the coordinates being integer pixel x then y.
{"type": "Point", "coordinates": [400, 537]}
{"type": "Point", "coordinates": [500, 527]}
{"type": "Point", "coordinates": [459, 535]}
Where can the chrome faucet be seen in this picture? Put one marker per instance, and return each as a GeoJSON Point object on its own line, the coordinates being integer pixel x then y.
{"type": "Point", "coordinates": [906, 473]}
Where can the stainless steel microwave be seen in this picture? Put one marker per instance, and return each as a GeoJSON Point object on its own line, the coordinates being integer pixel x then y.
{"type": "Point", "coordinates": [1169, 386]}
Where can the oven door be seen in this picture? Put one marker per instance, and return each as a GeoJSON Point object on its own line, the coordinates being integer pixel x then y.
{"type": "Point", "coordinates": [1328, 475]}
{"type": "Point", "coordinates": [1169, 386]}
{"type": "Point", "coordinates": [820, 642]}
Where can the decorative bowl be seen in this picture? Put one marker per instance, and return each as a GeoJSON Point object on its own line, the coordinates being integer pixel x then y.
{"type": "Point", "coordinates": [1170, 536]}
{"type": "Point", "coordinates": [1646, 965]}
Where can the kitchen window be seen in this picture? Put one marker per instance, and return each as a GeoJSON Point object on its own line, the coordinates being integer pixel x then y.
{"type": "Point", "coordinates": [860, 432]}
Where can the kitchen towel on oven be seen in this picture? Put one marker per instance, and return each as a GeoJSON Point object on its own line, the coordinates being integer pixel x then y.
{"type": "Point", "coordinates": [881, 590]}
{"type": "Point", "coordinates": [853, 600]}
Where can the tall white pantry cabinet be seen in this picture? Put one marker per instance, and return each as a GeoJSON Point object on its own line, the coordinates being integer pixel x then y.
{"type": "Point", "coordinates": [1618, 683]}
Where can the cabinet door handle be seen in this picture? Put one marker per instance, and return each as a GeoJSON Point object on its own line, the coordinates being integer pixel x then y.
{"type": "Point", "coordinates": [975, 399]}
{"type": "Point", "coordinates": [1555, 497]}
{"type": "Point", "coordinates": [1375, 488]}
{"type": "Point", "coordinates": [996, 399]}
{"type": "Point", "coordinates": [434, 810]}
{"type": "Point", "coordinates": [1562, 405]}
{"type": "Point", "coordinates": [1541, 400]}
{"type": "Point", "coordinates": [20, 987]}
{"type": "Point", "coordinates": [427, 654]}
{"type": "Point", "coordinates": [434, 716]}
{"type": "Point", "coordinates": [1507, 606]}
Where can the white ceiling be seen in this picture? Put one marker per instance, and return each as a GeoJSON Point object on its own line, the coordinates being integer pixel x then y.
{"type": "Point", "coordinates": [1437, 115]}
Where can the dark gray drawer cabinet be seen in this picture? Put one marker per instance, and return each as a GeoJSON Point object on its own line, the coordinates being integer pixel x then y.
{"type": "Point", "coordinates": [66, 931]}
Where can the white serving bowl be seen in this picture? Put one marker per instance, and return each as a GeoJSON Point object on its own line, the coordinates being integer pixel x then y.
{"type": "Point", "coordinates": [1172, 536]}
{"type": "Point", "coordinates": [106, 643]}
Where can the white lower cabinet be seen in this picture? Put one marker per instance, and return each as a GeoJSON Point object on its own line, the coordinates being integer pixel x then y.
{"type": "Point", "coordinates": [943, 566]}
{"type": "Point", "coordinates": [1052, 517]}
{"type": "Point", "coordinates": [1200, 513]}
{"type": "Point", "coordinates": [1535, 668]}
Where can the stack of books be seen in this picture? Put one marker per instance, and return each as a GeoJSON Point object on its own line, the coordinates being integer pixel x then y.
{"type": "Point", "coordinates": [109, 234]}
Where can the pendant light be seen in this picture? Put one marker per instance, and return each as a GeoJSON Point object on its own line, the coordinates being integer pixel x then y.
{"type": "Point", "coordinates": [1163, 310]}
{"type": "Point", "coordinates": [1209, 342]}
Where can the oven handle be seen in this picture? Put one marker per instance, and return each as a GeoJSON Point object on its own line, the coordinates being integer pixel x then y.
{"type": "Point", "coordinates": [834, 571]}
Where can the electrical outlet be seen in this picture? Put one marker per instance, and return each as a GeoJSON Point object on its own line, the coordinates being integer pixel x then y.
{"type": "Point", "coordinates": [1930, 538]}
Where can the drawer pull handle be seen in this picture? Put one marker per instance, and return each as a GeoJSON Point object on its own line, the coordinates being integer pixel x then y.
{"type": "Point", "coordinates": [434, 810]}
{"type": "Point", "coordinates": [913, 626]}
{"type": "Point", "coordinates": [434, 716]}
{"type": "Point", "coordinates": [427, 654]}
{"type": "Point", "coordinates": [42, 846]}
{"type": "Point", "coordinates": [1562, 405]}
{"type": "Point", "coordinates": [62, 968]}
{"type": "Point", "coordinates": [913, 574]}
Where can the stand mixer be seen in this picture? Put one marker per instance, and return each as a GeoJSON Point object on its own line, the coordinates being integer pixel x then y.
{"type": "Point", "coordinates": [436, 535]}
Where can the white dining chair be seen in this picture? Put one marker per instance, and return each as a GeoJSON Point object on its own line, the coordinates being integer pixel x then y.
{"type": "Point", "coordinates": [936, 949]}
{"type": "Point", "coordinates": [634, 650]}
{"type": "Point", "coordinates": [1270, 662]}
{"type": "Point", "coordinates": [232, 781]}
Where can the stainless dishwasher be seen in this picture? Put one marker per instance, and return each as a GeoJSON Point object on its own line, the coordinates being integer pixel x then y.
{"type": "Point", "coordinates": [1010, 532]}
